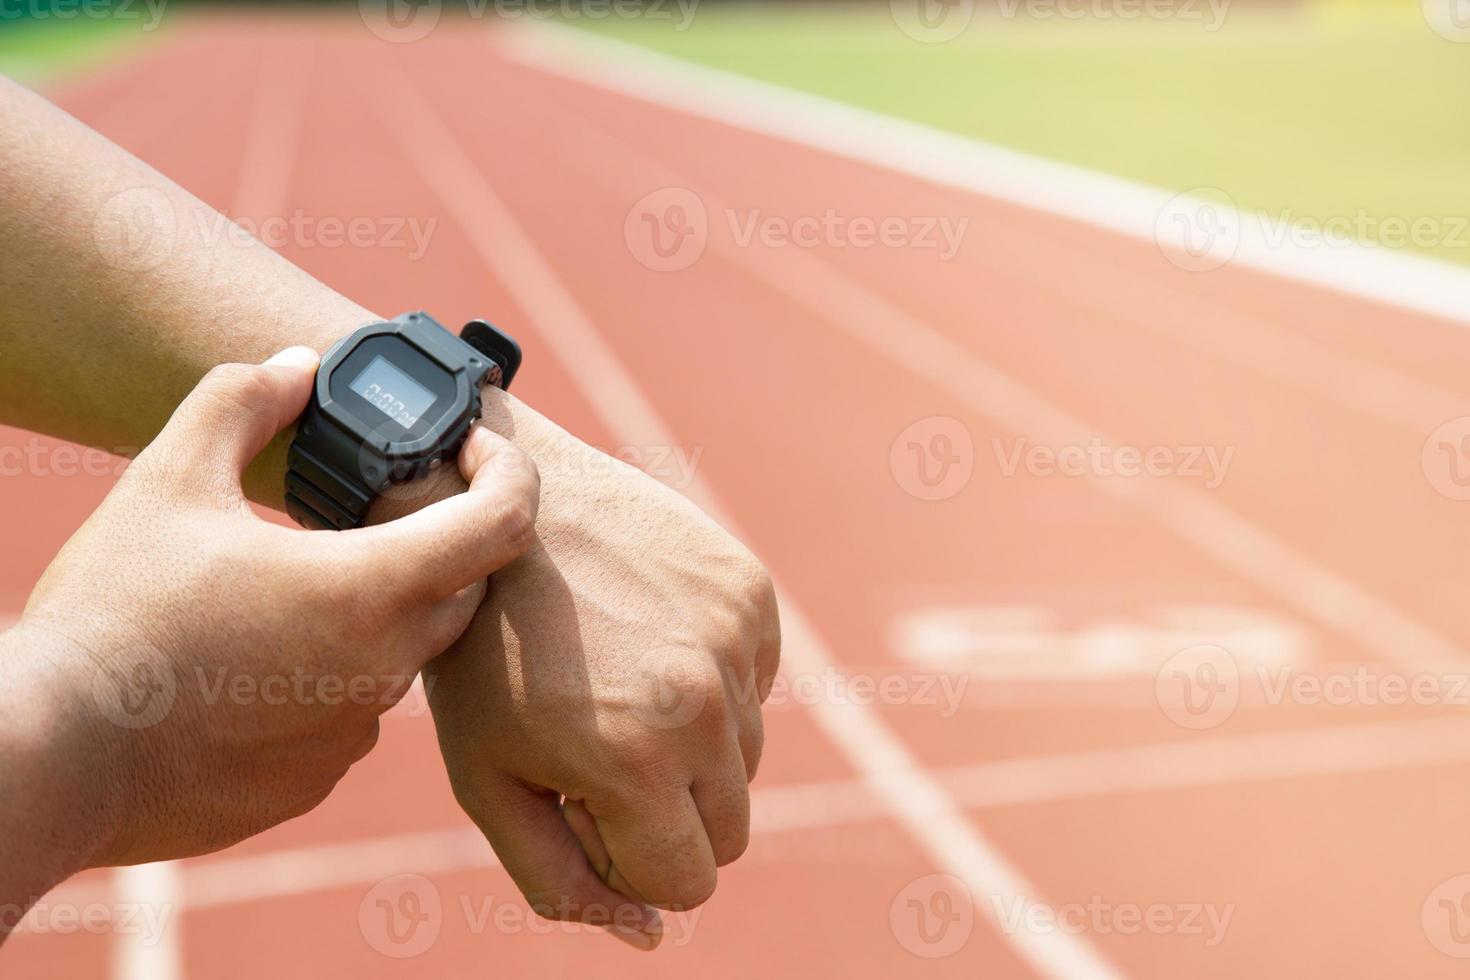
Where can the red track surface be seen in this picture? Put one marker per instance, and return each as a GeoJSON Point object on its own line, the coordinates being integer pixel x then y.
{"type": "Point", "coordinates": [1322, 872]}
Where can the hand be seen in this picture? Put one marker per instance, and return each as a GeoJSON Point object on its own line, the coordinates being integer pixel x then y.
{"type": "Point", "coordinates": [229, 671]}
{"type": "Point", "coordinates": [620, 664]}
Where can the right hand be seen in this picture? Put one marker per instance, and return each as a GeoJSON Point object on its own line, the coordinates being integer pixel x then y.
{"type": "Point", "coordinates": [621, 665]}
{"type": "Point", "coordinates": [227, 671]}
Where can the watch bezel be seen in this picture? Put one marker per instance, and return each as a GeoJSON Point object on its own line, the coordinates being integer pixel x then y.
{"type": "Point", "coordinates": [423, 448]}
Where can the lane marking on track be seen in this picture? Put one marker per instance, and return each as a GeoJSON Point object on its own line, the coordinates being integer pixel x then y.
{"type": "Point", "coordinates": [1114, 204]}
{"type": "Point", "coordinates": [1037, 641]}
{"type": "Point", "coordinates": [273, 134]}
{"type": "Point", "coordinates": [296, 871]}
{"type": "Point", "coordinates": [272, 139]}
{"type": "Point", "coordinates": [902, 339]}
{"type": "Point", "coordinates": [725, 97]}
{"type": "Point", "coordinates": [913, 797]}
{"type": "Point", "coordinates": [1217, 330]}
{"type": "Point", "coordinates": [1222, 760]}
{"type": "Point", "coordinates": [140, 956]}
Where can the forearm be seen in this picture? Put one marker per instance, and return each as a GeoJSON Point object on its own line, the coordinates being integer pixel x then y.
{"type": "Point", "coordinates": [100, 341]}
{"type": "Point", "coordinates": [54, 815]}
{"type": "Point", "coordinates": [119, 289]}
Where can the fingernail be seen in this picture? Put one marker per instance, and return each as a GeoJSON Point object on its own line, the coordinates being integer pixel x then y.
{"type": "Point", "coordinates": [303, 358]}
{"type": "Point", "coordinates": [636, 938]}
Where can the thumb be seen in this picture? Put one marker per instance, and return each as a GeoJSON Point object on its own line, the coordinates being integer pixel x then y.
{"type": "Point", "coordinates": [237, 409]}
{"type": "Point", "coordinates": [462, 539]}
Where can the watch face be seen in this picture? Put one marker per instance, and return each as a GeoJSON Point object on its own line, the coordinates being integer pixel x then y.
{"type": "Point", "coordinates": [393, 390]}
{"type": "Point", "coordinates": [390, 390]}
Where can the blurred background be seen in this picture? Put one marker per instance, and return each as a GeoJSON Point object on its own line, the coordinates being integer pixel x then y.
{"type": "Point", "coordinates": [1089, 373]}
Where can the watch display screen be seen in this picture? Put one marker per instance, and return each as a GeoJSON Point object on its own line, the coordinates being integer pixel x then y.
{"type": "Point", "coordinates": [392, 392]}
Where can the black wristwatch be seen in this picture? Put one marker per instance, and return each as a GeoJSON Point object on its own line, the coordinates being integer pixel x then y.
{"type": "Point", "coordinates": [391, 401]}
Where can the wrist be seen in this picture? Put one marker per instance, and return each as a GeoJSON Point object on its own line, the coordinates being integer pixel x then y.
{"type": "Point", "coordinates": [56, 761]}
{"type": "Point", "coordinates": [265, 479]}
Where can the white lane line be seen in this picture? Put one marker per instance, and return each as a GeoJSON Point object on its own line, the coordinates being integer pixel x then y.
{"type": "Point", "coordinates": [273, 134]}
{"type": "Point", "coordinates": [1221, 760]}
{"type": "Point", "coordinates": [1121, 206]}
{"type": "Point", "coordinates": [913, 797]}
{"type": "Point", "coordinates": [1100, 200]}
{"type": "Point", "coordinates": [139, 955]}
{"type": "Point", "coordinates": [282, 874]}
{"type": "Point", "coordinates": [1215, 329]}
{"type": "Point", "coordinates": [271, 143]}
{"type": "Point", "coordinates": [900, 338]}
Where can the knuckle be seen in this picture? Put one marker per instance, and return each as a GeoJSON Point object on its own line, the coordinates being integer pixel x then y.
{"type": "Point", "coordinates": [688, 892]}
{"type": "Point", "coordinates": [515, 518]}
{"type": "Point", "coordinates": [632, 758]}
{"type": "Point", "coordinates": [365, 743]}
{"type": "Point", "coordinates": [732, 845]}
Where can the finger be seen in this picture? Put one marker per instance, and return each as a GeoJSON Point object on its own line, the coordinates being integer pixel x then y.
{"type": "Point", "coordinates": [584, 825]}
{"type": "Point", "coordinates": [744, 694]}
{"type": "Point", "coordinates": [574, 812]}
{"type": "Point", "coordinates": [235, 411]}
{"type": "Point", "coordinates": [768, 653]}
{"type": "Point", "coordinates": [661, 850]}
{"type": "Point", "coordinates": [751, 733]}
{"type": "Point", "coordinates": [456, 542]}
{"type": "Point", "coordinates": [721, 794]}
{"type": "Point", "coordinates": [526, 828]}
{"type": "Point", "coordinates": [444, 624]}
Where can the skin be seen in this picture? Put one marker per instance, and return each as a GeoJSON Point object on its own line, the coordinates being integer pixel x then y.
{"type": "Point", "coordinates": [600, 718]}
{"type": "Point", "coordinates": [201, 594]}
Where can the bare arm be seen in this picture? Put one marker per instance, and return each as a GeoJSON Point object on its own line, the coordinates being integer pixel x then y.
{"type": "Point", "coordinates": [113, 304]}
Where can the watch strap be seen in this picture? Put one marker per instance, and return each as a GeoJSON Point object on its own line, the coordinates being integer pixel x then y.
{"type": "Point", "coordinates": [324, 490]}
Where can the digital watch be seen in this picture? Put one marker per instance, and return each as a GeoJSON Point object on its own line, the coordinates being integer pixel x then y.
{"type": "Point", "coordinates": [391, 401]}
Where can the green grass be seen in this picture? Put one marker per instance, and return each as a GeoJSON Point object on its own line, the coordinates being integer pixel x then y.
{"type": "Point", "coordinates": [38, 51]}
{"type": "Point", "coordinates": [1325, 110]}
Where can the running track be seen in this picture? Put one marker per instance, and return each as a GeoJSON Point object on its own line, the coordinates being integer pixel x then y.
{"type": "Point", "coordinates": [1328, 833]}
